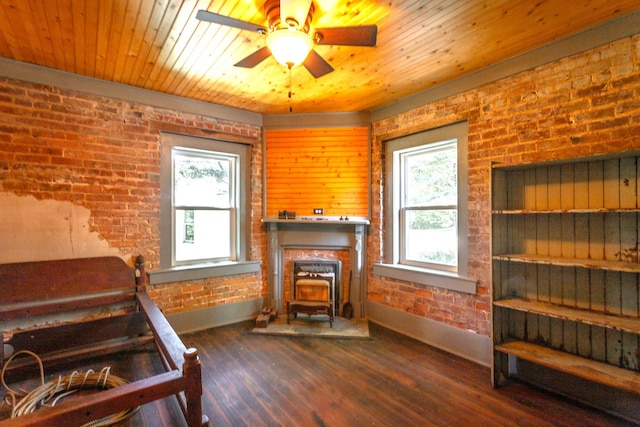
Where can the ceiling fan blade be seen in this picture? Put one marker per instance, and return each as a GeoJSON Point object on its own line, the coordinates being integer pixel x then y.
{"type": "Point", "coordinates": [255, 58]}
{"type": "Point", "coordinates": [316, 65]}
{"type": "Point", "coordinates": [295, 9]}
{"type": "Point", "coordinates": [364, 35]}
{"type": "Point", "coordinates": [214, 18]}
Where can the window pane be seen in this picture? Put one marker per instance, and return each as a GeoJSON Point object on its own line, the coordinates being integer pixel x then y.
{"type": "Point", "coordinates": [189, 228]}
{"type": "Point", "coordinates": [202, 181]}
{"type": "Point", "coordinates": [210, 234]}
{"type": "Point", "coordinates": [431, 178]}
{"type": "Point", "coordinates": [431, 236]}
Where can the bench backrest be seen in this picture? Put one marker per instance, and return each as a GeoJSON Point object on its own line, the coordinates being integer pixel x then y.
{"type": "Point", "coordinates": [43, 287]}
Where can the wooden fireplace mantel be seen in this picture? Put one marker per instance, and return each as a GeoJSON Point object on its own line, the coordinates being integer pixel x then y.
{"type": "Point", "coordinates": [329, 220]}
{"type": "Point", "coordinates": [330, 233]}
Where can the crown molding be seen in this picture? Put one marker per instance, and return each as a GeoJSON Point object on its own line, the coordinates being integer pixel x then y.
{"type": "Point", "coordinates": [47, 76]}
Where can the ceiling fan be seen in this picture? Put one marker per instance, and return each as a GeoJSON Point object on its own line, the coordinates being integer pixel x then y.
{"type": "Point", "coordinates": [289, 37]}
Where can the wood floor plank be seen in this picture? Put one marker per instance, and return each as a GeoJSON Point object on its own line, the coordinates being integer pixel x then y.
{"type": "Point", "coordinates": [388, 380]}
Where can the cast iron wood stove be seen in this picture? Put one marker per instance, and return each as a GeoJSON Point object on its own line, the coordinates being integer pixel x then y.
{"type": "Point", "coordinates": [315, 288]}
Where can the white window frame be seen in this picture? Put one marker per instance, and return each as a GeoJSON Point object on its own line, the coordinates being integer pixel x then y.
{"type": "Point", "coordinates": [168, 271]}
{"type": "Point", "coordinates": [400, 177]}
{"type": "Point", "coordinates": [232, 208]}
{"type": "Point", "coordinates": [393, 265]}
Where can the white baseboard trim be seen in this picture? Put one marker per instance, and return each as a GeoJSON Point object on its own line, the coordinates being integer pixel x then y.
{"type": "Point", "coordinates": [217, 315]}
{"type": "Point", "coordinates": [466, 344]}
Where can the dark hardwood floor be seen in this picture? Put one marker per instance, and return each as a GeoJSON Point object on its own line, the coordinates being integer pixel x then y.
{"type": "Point", "coordinates": [389, 380]}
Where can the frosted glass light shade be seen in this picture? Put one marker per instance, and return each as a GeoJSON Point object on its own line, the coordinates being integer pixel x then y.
{"type": "Point", "coordinates": [289, 47]}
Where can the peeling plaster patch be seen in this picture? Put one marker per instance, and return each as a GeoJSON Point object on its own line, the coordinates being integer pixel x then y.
{"type": "Point", "coordinates": [36, 230]}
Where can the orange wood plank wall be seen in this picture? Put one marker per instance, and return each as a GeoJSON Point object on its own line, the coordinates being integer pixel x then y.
{"type": "Point", "coordinates": [324, 168]}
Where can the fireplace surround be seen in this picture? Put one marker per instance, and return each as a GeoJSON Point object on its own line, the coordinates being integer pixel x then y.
{"type": "Point", "coordinates": [316, 234]}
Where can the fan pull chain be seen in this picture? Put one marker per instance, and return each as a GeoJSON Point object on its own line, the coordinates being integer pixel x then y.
{"type": "Point", "coordinates": [290, 99]}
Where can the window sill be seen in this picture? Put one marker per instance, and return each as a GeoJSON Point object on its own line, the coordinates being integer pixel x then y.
{"type": "Point", "coordinates": [428, 277]}
{"type": "Point", "coordinates": [202, 271]}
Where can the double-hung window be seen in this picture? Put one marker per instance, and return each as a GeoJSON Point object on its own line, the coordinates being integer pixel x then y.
{"type": "Point", "coordinates": [428, 205]}
{"type": "Point", "coordinates": [204, 205]}
{"type": "Point", "coordinates": [426, 236]}
{"type": "Point", "coordinates": [204, 209]}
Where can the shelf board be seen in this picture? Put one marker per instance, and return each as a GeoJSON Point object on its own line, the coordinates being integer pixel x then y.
{"type": "Point", "coordinates": [621, 323]}
{"type": "Point", "coordinates": [563, 211]}
{"type": "Point", "coordinates": [629, 267]}
{"type": "Point", "coordinates": [575, 365]}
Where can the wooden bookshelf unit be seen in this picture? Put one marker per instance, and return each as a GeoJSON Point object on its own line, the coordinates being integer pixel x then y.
{"type": "Point", "coordinates": [565, 275]}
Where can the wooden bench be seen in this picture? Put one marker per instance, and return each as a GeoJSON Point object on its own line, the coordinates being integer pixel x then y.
{"type": "Point", "coordinates": [310, 307]}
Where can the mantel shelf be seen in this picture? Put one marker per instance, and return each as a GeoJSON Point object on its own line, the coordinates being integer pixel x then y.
{"type": "Point", "coordinates": [622, 323]}
{"type": "Point", "coordinates": [318, 220]}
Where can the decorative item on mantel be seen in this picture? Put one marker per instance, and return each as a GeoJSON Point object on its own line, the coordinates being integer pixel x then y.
{"type": "Point", "coordinates": [286, 215]}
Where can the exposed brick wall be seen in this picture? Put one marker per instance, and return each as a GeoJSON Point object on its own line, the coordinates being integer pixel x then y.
{"type": "Point", "coordinates": [583, 105]}
{"type": "Point", "coordinates": [104, 154]}
{"type": "Point", "coordinates": [197, 294]}
{"type": "Point", "coordinates": [258, 250]}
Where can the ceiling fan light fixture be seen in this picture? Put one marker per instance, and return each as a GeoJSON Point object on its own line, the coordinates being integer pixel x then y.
{"type": "Point", "coordinates": [290, 47]}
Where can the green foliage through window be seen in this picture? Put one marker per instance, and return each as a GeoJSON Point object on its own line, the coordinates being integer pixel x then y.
{"type": "Point", "coordinates": [432, 178]}
{"type": "Point", "coordinates": [427, 220]}
{"type": "Point", "coordinates": [429, 204]}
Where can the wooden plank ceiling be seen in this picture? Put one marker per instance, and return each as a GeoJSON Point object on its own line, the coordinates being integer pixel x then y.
{"type": "Point", "coordinates": [161, 46]}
